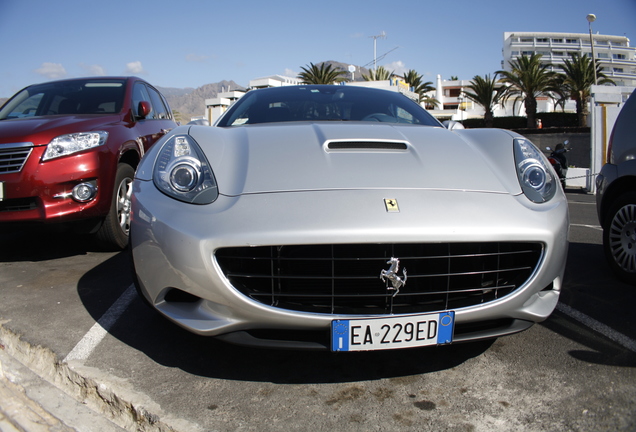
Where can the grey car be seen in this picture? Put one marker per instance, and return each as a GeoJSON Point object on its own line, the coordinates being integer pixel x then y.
{"type": "Point", "coordinates": [346, 218]}
{"type": "Point", "coordinates": [616, 195]}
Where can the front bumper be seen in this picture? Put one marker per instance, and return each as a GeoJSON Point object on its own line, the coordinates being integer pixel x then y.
{"type": "Point", "coordinates": [41, 191]}
{"type": "Point", "coordinates": [173, 246]}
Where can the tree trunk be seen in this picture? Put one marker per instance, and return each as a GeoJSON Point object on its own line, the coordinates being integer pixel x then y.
{"type": "Point", "coordinates": [488, 118]}
{"type": "Point", "coordinates": [581, 112]}
{"type": "Point", "coordinates": [531, 111]}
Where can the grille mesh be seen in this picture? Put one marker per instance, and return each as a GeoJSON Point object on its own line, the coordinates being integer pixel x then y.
{"type": "Point", "coordinates": [345, 279]}
{"type": "Point", "coordinates": [12, 159]}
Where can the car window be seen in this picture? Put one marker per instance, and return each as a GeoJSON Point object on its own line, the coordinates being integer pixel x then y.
{"type": "Point", "coordinates": [159, 110]}
{"type": "Point", "coordinates": [325, 103]}
{"type": "Point", "coordinates": [140, 94]}
{"type": "Point", "coordinates": [23, 105]}
{"type": "Point", "coordinates": [65, 98]}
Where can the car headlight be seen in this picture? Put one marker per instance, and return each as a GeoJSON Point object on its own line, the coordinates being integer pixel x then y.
{"type": "Point", "coordinates": [72, 143]}
{"type": "Point", "coordinates": [536, 179]}
{"type": "Point", "coordinates": [182, 172]}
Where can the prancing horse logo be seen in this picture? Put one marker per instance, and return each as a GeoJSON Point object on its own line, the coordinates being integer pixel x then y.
{"type": "Point", "coordinates": [391, 275]}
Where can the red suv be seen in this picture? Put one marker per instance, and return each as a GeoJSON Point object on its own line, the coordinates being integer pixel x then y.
{"type": "Point", "coordinates": [69, 149]}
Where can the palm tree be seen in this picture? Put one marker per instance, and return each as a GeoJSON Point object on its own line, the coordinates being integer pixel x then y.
{"type": "Point", "coordinates": [576, 80]}
{"type": "Point", "coordinates": [413, 79]}
{"type": "Point", "coordinates": [429, 102]}
{"type": "Point", "coordinates": [527, 80]}
{"type": "Point", "coordinates": [381, 74]}
{"type": "Point", "coordinates": [487, 93]}
{"type": "Point", "coordinates": [325, 74]}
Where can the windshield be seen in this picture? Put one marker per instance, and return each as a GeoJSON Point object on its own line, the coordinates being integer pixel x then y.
{"type": "Point", "coordinates": [66, 97]}
{"type": "Point", "coordinates": [325, 103]}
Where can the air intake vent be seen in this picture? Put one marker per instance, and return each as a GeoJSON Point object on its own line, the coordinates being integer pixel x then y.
{"type": "Point", "coordinates": [366, 145]}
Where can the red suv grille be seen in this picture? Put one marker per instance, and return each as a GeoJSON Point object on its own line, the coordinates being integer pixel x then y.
{"type": "Point", "coordinates": [13, 157]}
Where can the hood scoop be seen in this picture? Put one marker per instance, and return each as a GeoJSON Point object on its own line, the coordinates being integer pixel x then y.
{"type": "Point", "coordinates": [366, 145]}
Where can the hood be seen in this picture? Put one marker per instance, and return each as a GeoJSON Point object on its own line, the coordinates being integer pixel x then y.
{"type": "Point", "coordinates": [327, 156]}
{"type": "Point", "coordinates": [41, 130]}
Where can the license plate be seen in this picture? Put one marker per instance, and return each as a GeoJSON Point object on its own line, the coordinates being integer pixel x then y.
{"type": "Point", "coordinates": [391, 333]}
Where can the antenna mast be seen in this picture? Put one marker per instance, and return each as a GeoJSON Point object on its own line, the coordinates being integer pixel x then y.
{"type": "Point", "coordinates": [375, 41]}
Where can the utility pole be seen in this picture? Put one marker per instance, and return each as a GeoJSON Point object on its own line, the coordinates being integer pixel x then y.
{"type": "Point", "coordinates": [375, 49]}
{"type": "Point", "coordinates": [590, 19]}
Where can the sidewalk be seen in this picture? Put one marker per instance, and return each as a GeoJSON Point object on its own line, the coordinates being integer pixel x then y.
{"type": "Point", "coordinates": [29, 403]}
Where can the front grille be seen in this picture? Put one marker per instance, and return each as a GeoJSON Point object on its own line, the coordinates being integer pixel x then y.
{"type": "Point", "coordinates": [345, 279]}
{"type": "Point", "coordinates": [13, 157]}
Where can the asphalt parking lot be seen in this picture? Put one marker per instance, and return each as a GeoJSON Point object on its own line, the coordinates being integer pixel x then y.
{"type": "Point", "coordinates": [68, 313]}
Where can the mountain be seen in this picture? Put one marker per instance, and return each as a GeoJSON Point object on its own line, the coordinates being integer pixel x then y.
{"type": "Point", "coordinates": [345, 67]}
{"type": "Point", "coordinates": [189, 102]}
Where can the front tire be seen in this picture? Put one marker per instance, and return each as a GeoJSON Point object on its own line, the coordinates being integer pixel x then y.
{"type": "Point", "coordinates": [619, 237]}
{"type": "Point", "coordinates": [116, 226]}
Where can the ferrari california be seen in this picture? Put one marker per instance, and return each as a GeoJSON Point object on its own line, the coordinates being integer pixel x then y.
{"type": "Point", "coordinates": [346, 218]}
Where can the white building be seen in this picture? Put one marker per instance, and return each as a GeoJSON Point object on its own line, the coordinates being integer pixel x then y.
{"type": "Point", "coordinates": [453, 103]}
{"type": "Point", "coordinates": [617, 59]}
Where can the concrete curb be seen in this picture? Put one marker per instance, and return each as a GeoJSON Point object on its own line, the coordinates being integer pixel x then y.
{"type": "Point", "coordinates": [32, 404]}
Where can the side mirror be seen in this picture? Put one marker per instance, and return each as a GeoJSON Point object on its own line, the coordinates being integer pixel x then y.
{"type": "Point", "coordinates": [548, 148]}
{"type": "Point", "coordinates": [452, 125]}
{"type": "Point", "coordinates": [566, 142]}
{"type": "Point", "coordinates": [143, 109]}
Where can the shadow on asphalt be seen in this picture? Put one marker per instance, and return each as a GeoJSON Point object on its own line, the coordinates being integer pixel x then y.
{"type": "Point", "coordinates": [39, 244]}
{"type": "Point", "coordinates": [591, 288]}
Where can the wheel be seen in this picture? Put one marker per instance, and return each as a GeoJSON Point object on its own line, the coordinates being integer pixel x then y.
{"type": "Point", "coordinates": [619, 237]}
{"type": "Point", "coordinates": [116, 226]}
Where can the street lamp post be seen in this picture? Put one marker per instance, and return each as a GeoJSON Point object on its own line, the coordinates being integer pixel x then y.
{"type": "Point", "coordinates": [590, 19]}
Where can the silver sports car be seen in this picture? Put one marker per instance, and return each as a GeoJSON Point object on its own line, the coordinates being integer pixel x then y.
{"type": "Point", "coordinates": [346, 218]}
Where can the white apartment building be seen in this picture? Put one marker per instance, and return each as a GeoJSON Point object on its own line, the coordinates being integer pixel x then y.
{"type": "Point", "coordinates": [617, 59]}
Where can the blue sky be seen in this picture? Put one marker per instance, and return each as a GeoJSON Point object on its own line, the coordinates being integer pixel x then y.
{"type": "Point", "coordinates": [189, 43]}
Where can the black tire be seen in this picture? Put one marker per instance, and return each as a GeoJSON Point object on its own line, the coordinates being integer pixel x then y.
{"type": "Point", "coordinates": [115, 229]}
{"type": "Point", "coordinates": [619, 237]}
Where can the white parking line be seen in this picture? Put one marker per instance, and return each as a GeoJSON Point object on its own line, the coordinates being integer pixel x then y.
{"type": "Point", "coordinates": [596, 227]}
{"type": "Point", "coordinates": [599, 327]}
{"type": "Point", "coordinates": [89, 342]}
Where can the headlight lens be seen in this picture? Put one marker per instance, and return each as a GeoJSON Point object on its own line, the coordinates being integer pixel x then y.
{"type": "Point", "coordinates": [182, 172]}
{"type": "Point", "coordinates": [72, 143]}
{"type": "Point", "coordinates": [536, 178]}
